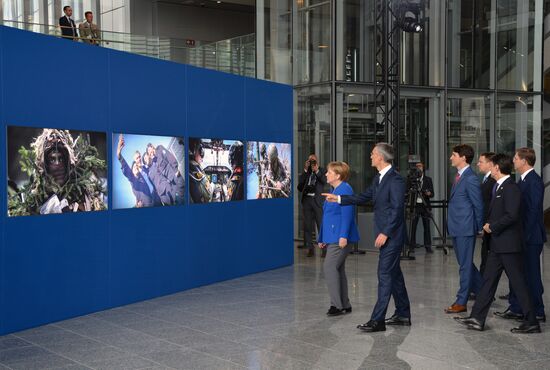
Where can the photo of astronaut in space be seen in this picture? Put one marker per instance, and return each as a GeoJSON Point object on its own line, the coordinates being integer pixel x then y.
{"type": "Point", "coordinates": [216, 170]}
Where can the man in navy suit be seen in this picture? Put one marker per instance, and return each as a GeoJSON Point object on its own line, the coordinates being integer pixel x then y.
{"type": "Point", "coordinates": [465, 217]}
{"type": "Point", "coordinates": [387, 192]}
{"type": "Point", "coordinates": [504, 235]}
{"type": "Point", "coordinates": [67, 25]}
{"type": "Point", "coordinates": [534, 234]}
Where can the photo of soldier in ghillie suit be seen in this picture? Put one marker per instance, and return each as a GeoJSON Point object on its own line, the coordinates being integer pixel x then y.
{"type": "Point", "coordinates": [268, 169]}
{"type": "Point", "coordinates": [56, 173]}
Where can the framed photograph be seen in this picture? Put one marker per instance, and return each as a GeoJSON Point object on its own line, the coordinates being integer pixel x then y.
{"type": "Point", "coordinates": [268, 170]}
{"type": "Point", "coordinates": [56, 171]}
{"type": "Point", "coordinates": [147, 171]}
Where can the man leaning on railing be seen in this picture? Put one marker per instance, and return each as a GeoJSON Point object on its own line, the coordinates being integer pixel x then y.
{"type": "Point", "coordinates": [89, 31]}
{"type": "Point", "coordinates": [67, 25]}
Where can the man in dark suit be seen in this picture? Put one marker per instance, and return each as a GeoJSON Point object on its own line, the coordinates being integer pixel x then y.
{"type": "Point", "coordinates": [67, 25]}
{"type": "Point", "coordinates": [464, 222]}
{"type": "Point", "coordinates": [387, 192]}
{"type": "Point", "coordinates": [504, 228]}
{"type": "Point", "coordinates": [484, 164]}
{"type": "Point", "coordinates": [311, 184]}
{"type": "Point", "coordinates": [422, 207]}
{"type": "Point", "coordinates": [534, 234]}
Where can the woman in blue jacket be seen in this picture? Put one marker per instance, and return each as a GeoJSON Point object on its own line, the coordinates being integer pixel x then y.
{"type": "Point", "coordinates": [337, 231]}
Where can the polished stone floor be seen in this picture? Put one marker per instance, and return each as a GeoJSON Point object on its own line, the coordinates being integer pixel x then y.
{"type": "Point", "coordinates": [276, 320]}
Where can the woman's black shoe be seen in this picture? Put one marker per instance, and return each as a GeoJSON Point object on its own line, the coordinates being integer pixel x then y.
{"type": "Point", "coordinates": [333, 311]}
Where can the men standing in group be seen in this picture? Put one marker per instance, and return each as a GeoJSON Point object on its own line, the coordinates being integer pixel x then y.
{"type": "Point", "coordinates": [311, 184]}
{"type": "Point", "coordinates": [387, 192]}
{"type": "Point", "coordinates": [534, 234]}
{"type": "Point", "coordinates": [67, 25]}
{"type": "Point", "coordinates": [504, 230]}
{"type": "Point", "coordinates": [465, 217]}
{"type": "Point", "coordinates": [485, 165]}
{"type": "Point", "coordinates": [422, 207]}
{"type": "Point", "coordinates": [89, 31]}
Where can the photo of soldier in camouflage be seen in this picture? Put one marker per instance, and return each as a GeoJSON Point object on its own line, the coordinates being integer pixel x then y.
{"type": "Point", "coordinates": [268, 170]}
{"type": "Point", "coordinates": [216, 170]}
{"type": "Point", "coordinates": [55, 171]}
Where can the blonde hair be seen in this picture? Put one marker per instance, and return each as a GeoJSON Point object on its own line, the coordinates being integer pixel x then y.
{"type": "Point", "coordinates": [339, 168]}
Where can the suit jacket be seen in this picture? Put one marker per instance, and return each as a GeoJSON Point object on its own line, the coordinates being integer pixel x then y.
{"type": "Point", "coordinates": [532, 195]}
{"type": "Point", "coordinates": [504, 219]}
{"type": "Point", "coordinates": [487, 195]}
{"type": "Point", "coordinates": [465, 209]}
{"type": "Point", "coordinates": [89, 32]}
{"type": "Point", "coordinates": [339, 220]}
{"type": "Point", "coordinates": [68, 29]}
{"type": "Point", "coordinates": [388, 197]}
{"type": "Point", "coordinates": [321, 181]}
{"type": "Point", "coordinates": [427, 185]}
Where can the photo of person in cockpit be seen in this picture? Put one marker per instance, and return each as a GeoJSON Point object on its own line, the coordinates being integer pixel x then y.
{"type": "Point", "coordinates": [215, 170]}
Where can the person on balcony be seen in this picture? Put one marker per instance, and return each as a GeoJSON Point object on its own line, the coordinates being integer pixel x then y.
{"type": "Point", "coordinates": [89, 31]}
{"type": "Point", "coordinates": [67, 25]}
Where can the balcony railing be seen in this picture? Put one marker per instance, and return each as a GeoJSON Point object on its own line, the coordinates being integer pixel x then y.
{"type": "Point", "coordinates": [236, 55]}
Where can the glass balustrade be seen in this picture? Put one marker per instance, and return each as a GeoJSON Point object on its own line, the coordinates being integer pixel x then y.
{"type": "Point", "coordinates": [236, 55]}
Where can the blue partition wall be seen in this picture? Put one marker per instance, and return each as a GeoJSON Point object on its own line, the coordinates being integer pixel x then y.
{"type": "Point", "coordinates": [59, 266]}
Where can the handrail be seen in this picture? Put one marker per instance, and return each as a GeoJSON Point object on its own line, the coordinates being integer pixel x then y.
{"type": "Point", "coordinates": [236, 55]}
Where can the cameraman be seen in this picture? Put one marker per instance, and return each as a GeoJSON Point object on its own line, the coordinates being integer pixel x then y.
{"type": "Point", "coordinates": [311, 184]}
{"type": "Point", "coordinates": [423, 186]}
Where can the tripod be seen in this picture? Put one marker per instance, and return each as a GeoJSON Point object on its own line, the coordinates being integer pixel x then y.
{"type": "Point", "coordinates": [415, 193]}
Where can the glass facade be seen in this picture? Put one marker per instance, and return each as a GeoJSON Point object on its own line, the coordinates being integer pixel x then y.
{"type": "Point", "coordinates": [473, 75]}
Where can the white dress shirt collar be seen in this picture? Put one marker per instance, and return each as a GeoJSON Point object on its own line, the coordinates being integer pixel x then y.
{"type": "Point", "coordinates": [523, 175]}
{"type": "Point", "coordinates": [383, 172]}
{"type": "Point", "coordinates": [502, 179]}
{"type": "Point", "coordinates": [461, 171]}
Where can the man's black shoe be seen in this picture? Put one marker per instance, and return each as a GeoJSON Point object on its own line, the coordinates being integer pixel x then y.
{"type": "Point", "coordinates": [333, 311]}
{"type": "Point", "coordinates": [509, 315]}
{"type": "Point", "coordinates": [347, 310]}
{"type": "Point", "coordinates": [398, 320]}
{"type": "Point", "coordinates": [470, 323]}
{"type": "Point", "coordinates": [429, 249]}
{"type": "Point", "coordinates": [372, 326]}
{"type": "Point", "coordinates": [526, 328]}
{"type": "Point", "coordinates": [504, 297]}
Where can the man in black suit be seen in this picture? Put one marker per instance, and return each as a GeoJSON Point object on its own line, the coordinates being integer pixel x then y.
{"type": "Point", "coordinates": [67, 25]}
{"type": "Point", "coordinates": [484, 164]}
{"type": "Point", "coordinates": [534, 234]}
{"type": "Point", "coordinates": [422, 207]}
{"type": "Point", "coordinates": [311, 184]}
{"type": "Point", "coordinates": [504, 227]}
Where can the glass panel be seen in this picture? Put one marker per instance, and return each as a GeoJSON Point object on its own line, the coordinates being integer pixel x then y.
{"type": "Point", "coordinates": [355, 43]}
{"type": "Point", "coordinates": [12, 10]}
{"type": "Point", "coordinates": [422, 52]}
{"type": "Point", "coordinates": [313, 133]}
{"type": "Point", "coordinates": [468, 122]}
{"type": "Point", "coordinates": [470, 47]}
{"type": "Point", "coordinates": [312, 54]}
{"type": "Point", "coordinates": [517, 54]}
{"type": "Point", "coordinates": [277, 32]}
{"type": "Point", "coordinates": [361, 131]}
{"type": "Point", "coordinates": [514, 123]}
{"type": "Point", "coordinates": [414, 136]}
